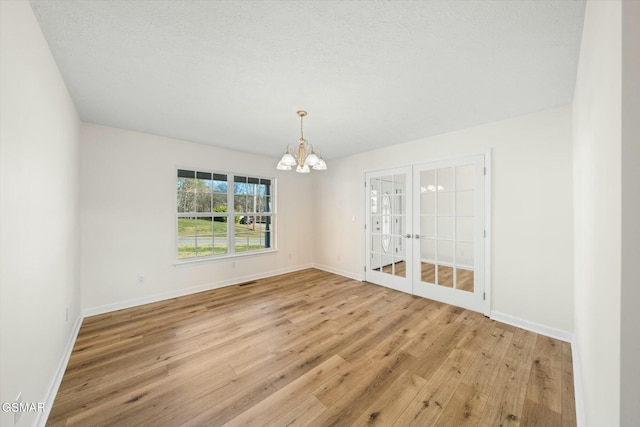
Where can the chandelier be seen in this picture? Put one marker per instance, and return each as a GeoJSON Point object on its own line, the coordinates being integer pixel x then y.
{"type": "Point", "coordinates": [304, 158]}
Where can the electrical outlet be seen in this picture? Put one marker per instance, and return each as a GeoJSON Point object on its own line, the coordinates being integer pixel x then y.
{"type": "Point", "coordinates": [17, 414]}
{"type": "Point", "coordinates": [141, 280]}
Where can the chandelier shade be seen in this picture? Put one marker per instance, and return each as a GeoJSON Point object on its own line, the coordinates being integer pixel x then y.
{"type": "Point", "coordinates": [304, 158]}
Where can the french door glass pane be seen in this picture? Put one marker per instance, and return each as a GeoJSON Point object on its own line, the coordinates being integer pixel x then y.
{"type": "Point", "coordinates": [400, 267]}
{"type": "Point", "coordinates": [445, 252]}
{"type": "Point", "coordinates": [428, 181]}
{"type": "Point", "coordinates": [464, 254]}
{"type": "Point", "coordinates": [447, 197]}
{"type": "Point", "coordinates": [445, 276]}
{"type": "Point", "coordinates": [465, 179]}
{"type": "Point", "coordinates": [464, 229]}
{"type": "Point", "coordinates": [428, 226]}
{"type": "Point", "coordinates": [428, 272]}
{"type": "Point", "coordinates": [375, 261]}
{"type": "Point", "coordinates": [465, 211]}
{"type": "Point", "coordinates": [445, 204]}
{"type": "Point", "coordinates": [445, 227]}
{"type": "Point", "coordinates": [428, 250]}
{"type": "Point", "coordinates": [445, 179]}
{"type": "Point", "coordinates": [399, 184]}
{"type": "Point", "coordinates": [399, 224]}
{"type": "Point", "coordinates": [428, 203]}
{"type": "Point", "coordinates": [387, 263]}
{"type": "Point", "coordinates": [387, 198]}
{"type": "Point", "coordinates": [376, 240]}
{"type": "Point", "coordinates": [464, 280]}
{"type": "Point", "coordinates": [464, 203]}
{"type": "Point", "coordinates": [374, 185]}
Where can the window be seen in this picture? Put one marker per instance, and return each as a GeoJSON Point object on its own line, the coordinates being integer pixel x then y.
{"type": "Point", "coordinates": [222, 214]}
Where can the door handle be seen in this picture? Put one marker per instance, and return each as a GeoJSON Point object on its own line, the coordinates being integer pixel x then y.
{"type": "Point", "coordinates": [417, 236]}
{"type": "Point", "coordinates": [408, 236]}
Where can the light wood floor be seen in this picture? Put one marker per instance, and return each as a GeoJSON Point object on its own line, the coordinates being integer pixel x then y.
{"type": "Point", "coordinates": [311, 348]}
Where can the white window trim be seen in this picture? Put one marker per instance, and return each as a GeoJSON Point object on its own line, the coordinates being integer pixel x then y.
{"type": "Point", "coordinates": [230, 218]}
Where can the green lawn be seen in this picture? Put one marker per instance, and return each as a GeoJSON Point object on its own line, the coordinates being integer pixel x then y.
{"type": "Point", "coordinates": [187, 227]}
{"type": "Point", "coordinates": [190, 227]}
{"type": "Point", "coordinates": [187, 251]}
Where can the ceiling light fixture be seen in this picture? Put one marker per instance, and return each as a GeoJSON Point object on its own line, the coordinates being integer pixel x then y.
{"type": "Point", "coordinates": [305, 159]}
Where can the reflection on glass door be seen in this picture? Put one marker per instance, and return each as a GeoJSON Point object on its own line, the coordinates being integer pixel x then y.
{"type": "Point", "coordinates": [449, 226]}
{"type": "Point", "coordinates": [388, 241]}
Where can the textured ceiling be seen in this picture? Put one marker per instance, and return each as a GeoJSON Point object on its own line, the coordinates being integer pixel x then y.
{"type": "Point", "coordinates": [370, 73]}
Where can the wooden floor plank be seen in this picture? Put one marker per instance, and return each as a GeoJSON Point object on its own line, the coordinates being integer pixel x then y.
{"type": "Point", "coordinates": [301, 414]}
{"type": "Point", "coordinates": [464, 408]}
{"type": "Point", "coordinates": [388, 406]}
{"type": "Point", "coordinates": [432, 399]}
{"type": "Point", "coordinates": [507, 397]}
{"type": "Point", "coordinates": [483, 371]}
{"type": "Point", "coordinates": [340, 385]}
{"type": "Point", "coordinates": [537, 415]}
{"type": "Point", "coordinates": [311, 348]}
{"type": "Point", "coordinates": [288, 397]}
{"type": "Point", "coordinates": [545, 380]}
{"type": "Point", "coordinates": [353, 404]}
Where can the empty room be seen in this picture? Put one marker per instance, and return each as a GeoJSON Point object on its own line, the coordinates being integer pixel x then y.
{"type": "Point", "coordinates": [314, 213]}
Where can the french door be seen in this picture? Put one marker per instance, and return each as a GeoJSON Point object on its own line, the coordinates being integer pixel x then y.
{"type": "Point", "coordinates": [388, 239]}
{"type": "Point", "coordinates": [426, 230]}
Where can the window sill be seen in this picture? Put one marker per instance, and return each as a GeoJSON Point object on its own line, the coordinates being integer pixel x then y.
{"type": "Point", "coordinates": [227, 257]}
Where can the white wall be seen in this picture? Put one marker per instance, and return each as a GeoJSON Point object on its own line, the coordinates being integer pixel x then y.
{"type": "Point", "coordinates": [597, 212]}
{"type": "Point", "coordinates": [128, 218]}
{"type": "Point", "coordinates": [630, 274]}
{"type": "Point", "coordinates": [39, 260]}
{"type": "Point", "coordinates": [532, 209]}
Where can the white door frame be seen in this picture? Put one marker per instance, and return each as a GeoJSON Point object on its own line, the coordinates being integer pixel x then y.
{"type": "Point", "coordinates": [487, 274]}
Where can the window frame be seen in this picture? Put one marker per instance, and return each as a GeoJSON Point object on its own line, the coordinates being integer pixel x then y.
{"type": "Point", "coordinates": [230, 215]}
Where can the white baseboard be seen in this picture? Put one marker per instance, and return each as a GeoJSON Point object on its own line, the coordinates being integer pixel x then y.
{"type": "Point", "coordinates": [581, 420]}
{"type": "Point", "coordinates": [538, 328]}
{"type": "Point", "coordinates": [339, 272]}
{"type": "Point", "coordinates": [107, 308]}
{"type": "Point", "coordinates": [54, 385]}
